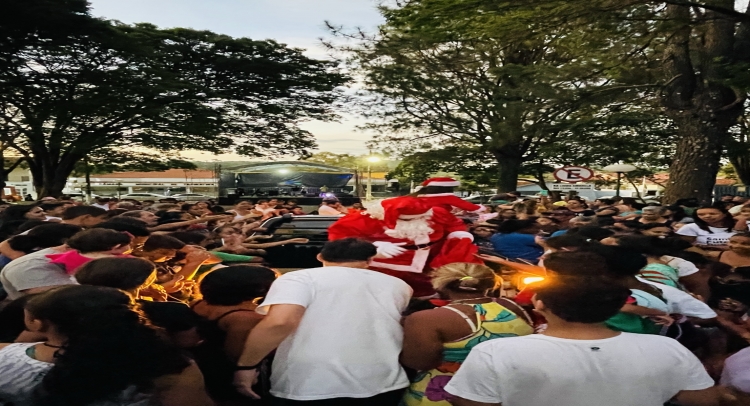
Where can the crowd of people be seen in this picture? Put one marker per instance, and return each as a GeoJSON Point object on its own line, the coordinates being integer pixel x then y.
{"type": "Point", "coordinates": [566, 303]}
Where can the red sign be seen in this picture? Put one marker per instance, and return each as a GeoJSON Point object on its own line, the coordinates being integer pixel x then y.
{"type": "Point", "coordinates": [573, 174]}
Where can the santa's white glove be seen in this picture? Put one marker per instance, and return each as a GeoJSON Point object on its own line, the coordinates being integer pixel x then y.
{"type": "Point", "coordinates": [389, 249]}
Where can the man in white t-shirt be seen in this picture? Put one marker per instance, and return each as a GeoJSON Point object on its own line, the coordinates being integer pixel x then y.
{"type": "Point", "coordinates": [736, 375]}
{"type": "Point", "coordinates": [578, 361]}
{"type": "Point", "coordinates": [337, 333]}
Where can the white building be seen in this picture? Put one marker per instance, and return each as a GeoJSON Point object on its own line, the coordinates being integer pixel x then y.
{"type": "Point", "coordinates": [173, 181]}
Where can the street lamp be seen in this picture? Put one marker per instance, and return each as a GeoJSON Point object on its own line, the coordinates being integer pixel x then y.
{"type": "Point", "coordinates": [370, 160]}
{"type": "Point", "coordinates": [619, 169]}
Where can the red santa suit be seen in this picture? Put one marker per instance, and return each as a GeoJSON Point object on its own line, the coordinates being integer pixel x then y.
{"type": "Point", "coordinates": [446, 200]}
{"type": "Point", "coordinates": [425, 238]}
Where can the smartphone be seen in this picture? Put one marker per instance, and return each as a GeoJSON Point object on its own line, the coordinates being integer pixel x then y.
{"type": "Point", "coordinates": [544, 193]}
{"type": "Point", "coordinates": [222, 242]}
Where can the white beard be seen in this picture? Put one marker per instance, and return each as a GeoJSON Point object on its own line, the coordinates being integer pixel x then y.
{"type": "Point", "coordinates": [413, 230]}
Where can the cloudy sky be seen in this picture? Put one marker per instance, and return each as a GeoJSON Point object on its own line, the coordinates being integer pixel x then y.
{"type": "Point", "coordinates": [297, 23]}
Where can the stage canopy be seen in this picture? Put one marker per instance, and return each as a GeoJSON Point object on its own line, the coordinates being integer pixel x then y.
{"type": "Point", "coordinates": [289, 173]}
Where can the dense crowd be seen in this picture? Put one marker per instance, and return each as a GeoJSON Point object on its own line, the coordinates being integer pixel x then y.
{"type": "Point", "coordinates": [569, 303]}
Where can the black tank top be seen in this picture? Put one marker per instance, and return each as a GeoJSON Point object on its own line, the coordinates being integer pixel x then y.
{"type": "Point", "coordinates": [218, 369]}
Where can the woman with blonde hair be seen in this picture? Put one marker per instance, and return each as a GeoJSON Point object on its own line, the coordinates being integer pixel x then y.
{"type": "Point", "coordinates": [437, 341]}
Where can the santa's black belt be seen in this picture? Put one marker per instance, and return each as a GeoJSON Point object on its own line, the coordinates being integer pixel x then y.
{"type": "Point", "coordinates": [418, 246]}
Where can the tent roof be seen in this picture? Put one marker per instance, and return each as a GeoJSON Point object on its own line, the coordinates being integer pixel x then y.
{"type": "Point", "coordinates": [292, 166]}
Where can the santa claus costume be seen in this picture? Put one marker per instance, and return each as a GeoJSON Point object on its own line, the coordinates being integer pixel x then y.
{"type": "Point", "coordinates": [412, 239]}
{"type": "Point", "coordinates": [438, 192]}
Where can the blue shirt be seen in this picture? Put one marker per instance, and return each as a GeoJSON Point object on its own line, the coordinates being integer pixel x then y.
{"type": "Point", "coordinates": [517, 245]}
{"type": "Point", "coordinates": [559, 233]}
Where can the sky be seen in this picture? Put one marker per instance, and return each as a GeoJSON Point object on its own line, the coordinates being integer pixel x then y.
{"type": "Point", "coordinates": [297, 23]}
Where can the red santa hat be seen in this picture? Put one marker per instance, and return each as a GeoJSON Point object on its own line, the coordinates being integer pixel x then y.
{"type": "Point", "coordinates": [441, 182]}
{"type": "Point", "coordinates": [448, 200]}
{"type": "Point", "coordinates": [403, 208]}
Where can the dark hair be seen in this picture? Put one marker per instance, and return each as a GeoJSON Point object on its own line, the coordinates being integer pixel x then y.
{"type": "Point", "coordinates": [591, 232]}
{"type": "Point", "coordinates": [569, 241]}
{"type": "Point", "coordinates": [579, 200]}
{"type": "Point", "coordinates": [166, 217]}
{"type": "Point", "coordinates": [576, 263]}
{"type": "Point", "coordinates": [650, 226]}
{"type": "Point", "coordinates": [29, 225]}
{"type": "Point", "coordinates": [124, 219]}
{"type": "Point", "coordinates": [678, 213]}
{"type": "Point", "coordinates": [189, 237]}
{"type": "Point", "coordinates": [97, 239]}
{"type": "Point", "coordinates": [217, 209]}
{"type": "Point", "coordinates": [108, 349]}
{"type": "Point", "coordinates": [43, 236]}
{"type": "Point", "coordinates": [620, 261]}
{"type": "Point", "coordinates": [218, 230]}
{"type": "Point", "coordinates": [79, 211]}
{"type": "Point", "coordinates": [632, 224]}
{"type": "Point", "coordinates": [607, 201]}
{"type": "Point", "coordinates": [12, 319]}
{"type": "Point", "coordinates": [644, 244]}
{"type": "Point", "coordinates": [160, 241]}
{"type": "Point", "coordinates": [16, 212]}
{"type": "Point", "coordinates": [125, 227]}
{"type": "Point", "coordinates": [689, 202]}
{"type": "Point", "coordinates": [187, 206]}
{"type": "Point", "coordinates": [512, 226]}
{"type": "Point", "coordinates": [8, 228]}
{"type": "Point", "coordinates": [136, 214]}
{"type": "Point", "coordinates": [51, 206]}
{"type": "Point", "coordinates": [173, 317]}
{"type": "Point", "coordinates": [727, 223]}
{"type": "Point", "coordinates": [118, 273]}
{"type": "Point", "coordinates": [582, 299]}
{"type": "Point", "coordinates": [233, 285]}
{"type": "Point", "coordinates": [348, 250]}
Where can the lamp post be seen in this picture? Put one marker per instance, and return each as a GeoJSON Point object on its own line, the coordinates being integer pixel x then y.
{"type": "Point", "coordinates": [619, 169]}
{"type": "Point", "coordinates": [370, 160]}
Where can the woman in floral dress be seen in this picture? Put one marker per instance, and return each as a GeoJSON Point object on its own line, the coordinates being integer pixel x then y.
{"type": "Point", "coordinates": [437, 341]}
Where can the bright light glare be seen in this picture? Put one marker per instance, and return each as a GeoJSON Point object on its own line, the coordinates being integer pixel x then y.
{"type": "Point", "coordinates": [532, 279]}
{"type": "Point", "coordinates": [283, 171]}
{"type": "Point", "coordinates": [373, 159]}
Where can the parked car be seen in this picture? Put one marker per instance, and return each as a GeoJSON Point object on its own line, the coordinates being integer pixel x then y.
{"type": "Point", "coordinates": [142, 196]}
{"type": "Point", "coordinates": [296, 256]}
{"type": "Point", "coordinates": [485, 199]}
{"type": "Point", "coordinates": [191, 197]}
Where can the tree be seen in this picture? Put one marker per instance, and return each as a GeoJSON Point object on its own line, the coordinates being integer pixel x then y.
{"type": "Point", "coordinates": [429, 77]}
{"type": "Point", "coordinates": [349, 161]}
{"type": "Point", "coordinates": [687, 59]}
{"type": "Point", "coordinates": [699, 97]}
{"type": "Point", "coordinates": [126, 87]}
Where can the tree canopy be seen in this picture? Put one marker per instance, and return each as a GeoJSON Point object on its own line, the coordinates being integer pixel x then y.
{"type": "Point", "coordinates": [653, 83]}
{"type": "Point", "coordinates": [118, 87]}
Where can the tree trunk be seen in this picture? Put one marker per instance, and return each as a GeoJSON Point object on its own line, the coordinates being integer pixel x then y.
{"type": "Point", "coordinates": [701, 106]}
{"type": "Point", "coordinates": [51, 175]}
{"type": "Point", "coordinates": [741, 164]}
{"type": "Point", "coordinates": [508, 164]}
{"type": "Point", "coordinates": [739, 154]}
{"type": "Point", "coordinates": [696, 161]}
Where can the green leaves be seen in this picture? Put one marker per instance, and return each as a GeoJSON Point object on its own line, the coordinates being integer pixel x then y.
{"type": "Point", "coordinates": [109, 85]}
